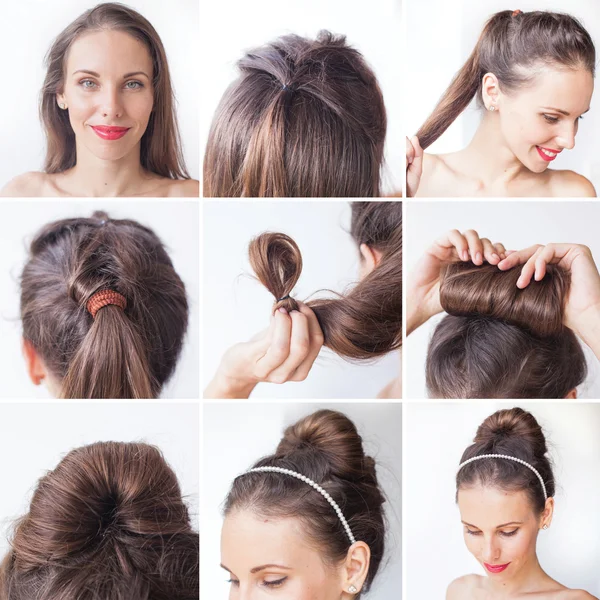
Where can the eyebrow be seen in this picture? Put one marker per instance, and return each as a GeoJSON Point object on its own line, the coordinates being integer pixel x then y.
{"type": "Point", "coordinates": [562, 112]}
{"type": "Point", "coordinates": [261, 568]}
{"type": "Point", "coordinates": [94, 74]}
{"type": "Point", "coordinates": [497, 526]}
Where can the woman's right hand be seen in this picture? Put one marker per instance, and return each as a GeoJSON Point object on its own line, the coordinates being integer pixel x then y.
{"type": "Point", "coordinates": [423, 297]}
{"type": "Point", "coordinates": [284, 352]}
{"type": "Point", "coordinates": [414, 165]}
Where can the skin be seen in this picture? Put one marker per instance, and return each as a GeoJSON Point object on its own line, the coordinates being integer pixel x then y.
{"type": "Point", "coordinates": [502, 159]}
{"type": "Point", "coordinates": [108, 81]}
{"type": "Point", "coordinates": [501, 527]}
{"type": "Point", "coordinates": [272, 558]}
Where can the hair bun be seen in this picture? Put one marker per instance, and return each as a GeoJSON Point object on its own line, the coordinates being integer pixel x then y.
{"type": "Point", "coordinates": [468, 290]}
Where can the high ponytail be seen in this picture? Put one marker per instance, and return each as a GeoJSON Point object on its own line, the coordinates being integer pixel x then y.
{"type": "Point", "coordinates": [511, 43]}
{"type": "Point", "coordinates": [305, 118]}
{"type": "Point", "coordinates": [366, 321]}
{"type": "Point", "coordinates": [124, 352]}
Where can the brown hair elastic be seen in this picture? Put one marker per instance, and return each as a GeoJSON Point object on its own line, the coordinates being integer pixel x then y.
{"type": "Point", "coordinates": [517, 12]}
{"type": "Point", "coordinates": [104, 298]}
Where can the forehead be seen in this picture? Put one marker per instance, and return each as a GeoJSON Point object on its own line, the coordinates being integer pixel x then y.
{"type": "Point", "coordinates": [108, 52]}
{"type": "Point", "coordinates": [487, 507]}
{"type": "Point", "coordinates": [565, 89]}
{"type": "Point", "coordinates": [249, 540]}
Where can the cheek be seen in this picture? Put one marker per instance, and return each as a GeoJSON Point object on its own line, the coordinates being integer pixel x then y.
{"type": "Point", "coordinates": [139, 106]}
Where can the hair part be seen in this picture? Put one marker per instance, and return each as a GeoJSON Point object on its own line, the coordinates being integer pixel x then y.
{"type": "Point", "coordinates": [160, 151]}
{"type": "Point", "coordinates": [305, 118]}
{"type": "Point", "coordinates": [511, 46]}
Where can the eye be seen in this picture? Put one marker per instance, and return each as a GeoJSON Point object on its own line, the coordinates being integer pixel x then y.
{"type": "Point", "coordinates": [233, 581]}
{"type": "Point", "coordinates": [509, 533]}
{"type": "Point", "coordinates": [274, 584]}
{"type": "Point", "coordinates": [87, 84]}
{"type": "Point", "coordinates": [134, 85]}
{"type": "Point", "coordinates": [472, 532]}
{"type": "Point", "coordinates": [550, 118]}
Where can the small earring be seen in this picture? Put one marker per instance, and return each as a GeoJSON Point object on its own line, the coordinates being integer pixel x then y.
{"type": "Point", "coordinates": [492, 108]}
{"type": "Point", "coordinates": [352, 589]}
{"type": "Point", "coordinates": [545, 526]}
{"type": "Point", "coordinates": [63, 105]}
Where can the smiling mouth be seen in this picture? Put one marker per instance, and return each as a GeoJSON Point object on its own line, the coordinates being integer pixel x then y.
{"type": "Point", "coordinates": [110, 133]}
{"type": "Point", "coordinates": [547, 154]}
{"type": "Point", "coordinates": [495, 568]}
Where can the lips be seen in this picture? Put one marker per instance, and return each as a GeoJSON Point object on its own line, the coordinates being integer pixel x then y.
{"type": "Point", "coordinates": [495, 568]}
{"type": "Point", "coordinates": [547, 154]}
{"type": "Point", "coordinates": [109, 133]}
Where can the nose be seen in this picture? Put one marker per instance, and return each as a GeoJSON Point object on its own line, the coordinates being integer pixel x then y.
{"type": "Point", "coordinates": [491, 550]}
{"type": "Point", "coordinates": [566, 136]}
{"type": "Point", "coordinates": [111, 105]}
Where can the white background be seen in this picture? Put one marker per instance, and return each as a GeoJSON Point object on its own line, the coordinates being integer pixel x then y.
{"type": "Point", "coordinates": [437, 435]}
{"type": "Point", "coordinates": [236, 306]}
{"type": "Point", "coordinates": [518, 225]}
{"type": "Point", "coordinates": [373, 29]}
{"type": "Point", "coordinates": [174, 222]}
{"type": "Point", "coordinates": [37, 437]}
{"type": "Point", "coordinates": [239, 433]}
{"type": "Point", "coordinates": [440, 37]}
{"type": "Point", "coordinates": [27, 30]}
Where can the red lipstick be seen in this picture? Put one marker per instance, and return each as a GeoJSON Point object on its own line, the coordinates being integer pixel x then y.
{"type": "Point", "coordinates": [547, 154]}
{"type": "Point", "coordinates": [495, 568]}
{"type": "Point", "coordinates": [109, 133]}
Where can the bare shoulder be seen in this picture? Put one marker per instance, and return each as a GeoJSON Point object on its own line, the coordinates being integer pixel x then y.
{"type": "Point", "coordinates": [32, 184]}
{"type": "Point", "coordinates": [463, 587]}
{"type": "Point", "coordinates": [579, 595]}
{"type": "Point", "coordinates": [184, 188]}
{"type": "Point", "coordinates": [435, 176]}
{"type": "Point", "coordinates": [571, 184]}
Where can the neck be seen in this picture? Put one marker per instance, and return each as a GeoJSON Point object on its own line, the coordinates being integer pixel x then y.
{"type": "Point", "coordinates": [489, 156]}
{"type": "Point", "coordinates": [108, 178]}
{"type": "Point", "coordinates": [530, 578]}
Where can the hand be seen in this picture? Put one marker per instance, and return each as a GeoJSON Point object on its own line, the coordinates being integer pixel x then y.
{"type": "Point", "coordinates": [414, 165]}
{"type": "Point", "coordinates": [582, 309]}
{"type": "Point", "coordinates": [284, 352]}
{"type": "Point", "coordinates": [423, 297]}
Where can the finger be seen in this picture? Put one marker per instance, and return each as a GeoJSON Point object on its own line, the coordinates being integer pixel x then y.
{"type": "Point", "coordinates": [475, 246]}
{"type": "Point", "coordinates": [517, 258]}
{"type": "Point", "coordinates": [454, 239]}
{"type": "Point", "coordinates": [500, 250]}
{"type": "Point", "coordinates": [528, 270]}
{"type": "Point", "coordinates": [316, 343]}
{"type": "Point", "coordinates": [410, 152]}
{"type": "Point", "coordinates": [298, 349]}
{"type": "Point", "coordinates": [279, 345]}
{"type": "Point", "coordinates": [417, 161]}
{"type": "Point", "coordinates": [551, 253]}
{"type": "Point", "coordinates": [489, 252]}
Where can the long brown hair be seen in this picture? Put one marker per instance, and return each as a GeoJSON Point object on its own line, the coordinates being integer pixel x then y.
{"type": "Point", "coordinates": [511, 44]}
{"type": "Point", "coordinates": [305, 118]}
{"type": "Point", "coordinates": [365, 322]}
{"type": "Point", "coordinates": [108, 522]}
{"type": "Point", "coordinates": [160, 150]}
{"type": "Point", "coordinates": [499, 341]}
{"type": "Point", "coordinates": [120, 353]}
{"type": "Point", "coordinates": [326, 447]}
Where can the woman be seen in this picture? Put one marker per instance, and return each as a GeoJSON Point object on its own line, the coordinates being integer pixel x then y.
{"type": "Point", "coordinates": [307, 521]}
{"type": "Point", "coordinates": [507, 324]}
{"type": "Point", "coordinates": [362, 324]}
{"type": "Point", "coordinates": [107, 108]}
{"type": "Point", "coordinates": [108, 522]}
{"type": "Point", "coordinates": [305, 118]}
{"type": "Point", "coordinates": [533, 73]}
{"type": "Point", "coordinates": [505, 493]}
{"type": "Point", "coordinates": [104, 312]}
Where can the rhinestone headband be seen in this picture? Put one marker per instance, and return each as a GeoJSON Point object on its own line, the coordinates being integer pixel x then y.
{"type": "Point", "coordinates": [104, 298]}
{"type": "Point", "coordinates": [506, 457]}
{"type": "Point", "coordinates": [317, 487]}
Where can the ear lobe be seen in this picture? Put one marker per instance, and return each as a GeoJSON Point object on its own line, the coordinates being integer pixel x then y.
{"type": "Point", "coordinates": [370, 259]}
{"type": "Point", "coordinates": [35, 367]}
{"type": "Point", "coordinates": [356, 569]}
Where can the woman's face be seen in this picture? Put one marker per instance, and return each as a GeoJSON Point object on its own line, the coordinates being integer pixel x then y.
{"type": "Point", "coordinates": [500, 529]}
{"type": "Point", "coordinates": [269, 558]}
{"type": "Point", "coordinates": [541, 120]}
{"type": "Point", "coordinates": [108, 91]}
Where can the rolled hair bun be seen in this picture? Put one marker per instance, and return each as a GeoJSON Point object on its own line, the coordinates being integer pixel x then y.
{"type": "Point", "coordinates": [108, 522]}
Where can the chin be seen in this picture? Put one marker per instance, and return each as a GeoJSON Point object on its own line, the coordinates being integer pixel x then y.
{"type": "Point", "coordinates": [534, 163]}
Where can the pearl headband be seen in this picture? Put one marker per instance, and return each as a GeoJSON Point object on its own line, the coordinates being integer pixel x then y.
{"type": "Point", "coordinates": [317, 487]}
{"type": "Point", "coordinates": [506, 457]}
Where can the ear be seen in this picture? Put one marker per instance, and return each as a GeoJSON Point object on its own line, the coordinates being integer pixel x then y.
{"type": "Point", "coordinates": [490, 92]}
{"type": "Point", "coordinates": [370, 258]}
{"type": "Point", "coordinates": [572, 395]}
{"type": "Point", "coordinates": [61, 101]}
{"type": "Point", "coordinates": [547, 514]}
{"type": "Point", "coordinates": [35, 366]}
{"type": "Point", "coordinates": [355, 569]}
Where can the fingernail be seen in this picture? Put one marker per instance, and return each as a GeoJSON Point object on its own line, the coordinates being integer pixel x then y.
{"type": "Point", "coordinates": [494, 255]}
{"type": "Point", "coordinates": [282, 310]}
{"type": "Point", "coordinates": [478, 257]}
{"type": "Point", "coordinates": [465, 255]}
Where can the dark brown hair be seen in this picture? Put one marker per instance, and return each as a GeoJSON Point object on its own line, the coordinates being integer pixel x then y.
{"type": "Point", "coordinates": [499, 341]}
{"type": "Point", "coordinates": [127, 353]}
{"type": "Point", "coordinates": [160, 145]}
{"type": "Point", "coordinates": [512, 432]}
{"type": "Point", "coordinates": [511, 46]}
{"type": "Point", "coordinates": [365, 322]}
{"type": "Point", "coordinates": [327, 448]}
{"type": "Point", "coordinates": [108, 522]}
{"type": "Point", "coordinates": [305, 118]}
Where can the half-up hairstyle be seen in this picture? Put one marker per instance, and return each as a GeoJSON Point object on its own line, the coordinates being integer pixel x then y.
{"type": "Point", "coordinates": [499, 341]}
{"type": "Point", "coordinates": [511, 46]}
{"type": "Point", "coordinates": [366, 321]}
{"type": "Point", "coordinates": [512, 432]}
{"type": "Point", "coordinates": [121, 353]}
{"type": "Point", "coordinates": [160, 151]}
{"type": "Point", "coordinates": [108, 522]}
{"type": "Point", "coordinates": [326, 448]}
{"type": "Point", "coordinates": [305, 118]}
